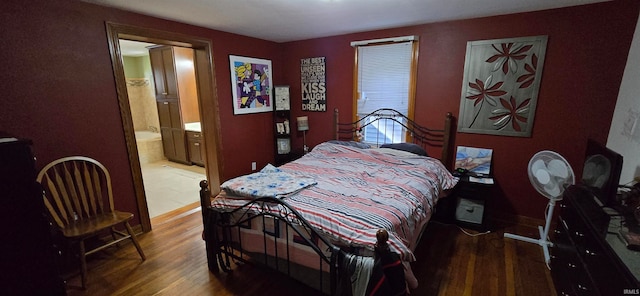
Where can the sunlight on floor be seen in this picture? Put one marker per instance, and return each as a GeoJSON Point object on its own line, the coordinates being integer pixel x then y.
{"type": "Point", "coordinates": [169, 185]}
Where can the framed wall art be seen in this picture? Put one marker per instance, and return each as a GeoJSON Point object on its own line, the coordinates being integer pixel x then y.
{"type": "Point", "coordinates": [251, 84]}
{"type": "Point", "coordinates": [313, 81]}
{"type": "Point", "coordinates": [500, 85]}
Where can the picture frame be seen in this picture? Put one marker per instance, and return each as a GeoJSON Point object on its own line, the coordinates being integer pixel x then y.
{"type": "Point", "coordinates": [284, 146]}
{"type": "Point", "coordinates": [251, 84]}
{"type": "Point", "coordinates": [280, 128]}
{"type": "Point", "coordinates": [475, 160]}
{"type": "Point", "coordinates": [282, 97]}
{"type": "Point", "coordinates": [500, 86]}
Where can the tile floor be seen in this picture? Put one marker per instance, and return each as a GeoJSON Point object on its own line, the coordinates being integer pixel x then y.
{"type": "Point", "coordinates": [169, 185]}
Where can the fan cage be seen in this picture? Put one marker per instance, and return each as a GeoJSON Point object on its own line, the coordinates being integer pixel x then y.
{"type": "Point", "coordinates": [547, 156]}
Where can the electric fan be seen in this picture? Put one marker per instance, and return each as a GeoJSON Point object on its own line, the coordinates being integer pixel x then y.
{"type": "Point", "coordinates": [550, 174]}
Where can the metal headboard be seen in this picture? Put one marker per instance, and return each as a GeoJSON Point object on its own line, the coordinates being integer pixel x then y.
{"type": "Point", "coordinates": [414, 133]}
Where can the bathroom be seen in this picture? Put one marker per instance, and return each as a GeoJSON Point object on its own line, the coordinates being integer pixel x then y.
{"type": "Point", "coordinates": [168, 185]}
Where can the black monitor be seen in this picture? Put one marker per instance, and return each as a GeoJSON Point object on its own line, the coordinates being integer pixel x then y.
{"type": "Point", "coordinates": [601, 172]}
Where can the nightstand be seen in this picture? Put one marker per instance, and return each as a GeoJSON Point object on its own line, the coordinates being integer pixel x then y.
{"type": "Point", "coordinates": [470, 199]}
{"type": "Point", "coordinates": [291, 156]}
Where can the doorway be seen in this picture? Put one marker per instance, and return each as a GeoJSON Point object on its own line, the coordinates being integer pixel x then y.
{"type": "Point", "coordinates": [168, 185]}
{"type": "Point", "coordinates": [207, 100]}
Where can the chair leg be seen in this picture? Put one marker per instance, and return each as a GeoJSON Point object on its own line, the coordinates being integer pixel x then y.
{"type": "Point", "coordinates": [83, 265]}
{"type": "Point", "coordinates": [113, 235]}
{"type": "Point", "coordinates": [135, 240]}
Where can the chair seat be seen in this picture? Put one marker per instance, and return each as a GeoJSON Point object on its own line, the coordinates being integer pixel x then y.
{"type": "Point", "coordinates": [88, 227]}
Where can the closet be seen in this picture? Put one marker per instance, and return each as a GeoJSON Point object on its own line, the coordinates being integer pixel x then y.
{"type": "Point", "coordinates": [176, 98]}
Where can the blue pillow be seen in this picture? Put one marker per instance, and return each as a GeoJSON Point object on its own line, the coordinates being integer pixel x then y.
{"type": "Point", "coordinates": [351, 144]}
{"type": "Point", "coordinates": [409, 147]}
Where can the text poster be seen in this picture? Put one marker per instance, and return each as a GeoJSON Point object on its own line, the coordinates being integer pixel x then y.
{"type": "Point", "coordinates": [314, 92]}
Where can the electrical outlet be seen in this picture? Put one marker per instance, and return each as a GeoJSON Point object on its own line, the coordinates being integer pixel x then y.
{"type": "Point", "coordinates": [253, 166]}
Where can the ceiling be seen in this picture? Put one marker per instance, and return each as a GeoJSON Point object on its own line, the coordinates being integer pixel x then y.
{"type": "Point", "coordinates": [291, 20]}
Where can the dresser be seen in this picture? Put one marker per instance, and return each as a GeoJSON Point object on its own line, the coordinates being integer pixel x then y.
{"type": "Point", "coordinates": [28, 261]}
{"type": "Point", "coordinates": [588, 257]}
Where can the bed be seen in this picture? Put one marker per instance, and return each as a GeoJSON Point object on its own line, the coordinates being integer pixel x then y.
{"type": "Point", "coordinates": [322, 219]}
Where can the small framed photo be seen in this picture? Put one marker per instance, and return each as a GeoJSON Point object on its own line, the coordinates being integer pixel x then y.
{"type": "Point", "coordinates": [251, 84]}
{"type": "Point", "coordinates": [284, 146]}
{"type": "Point", "coordinates": [280, 128]}
{"type": "Point", "coordinates": [282, 99]}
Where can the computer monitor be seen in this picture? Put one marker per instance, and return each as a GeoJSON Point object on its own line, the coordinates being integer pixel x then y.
{"type": "Point", "coordinates": [601, 172]}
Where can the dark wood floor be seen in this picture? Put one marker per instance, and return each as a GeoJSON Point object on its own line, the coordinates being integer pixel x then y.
{"type": "Point", "coordinates": [449, 263]}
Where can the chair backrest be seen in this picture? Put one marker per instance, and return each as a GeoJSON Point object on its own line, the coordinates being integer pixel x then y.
{"type": "Point", "coordinates": [76, 188]}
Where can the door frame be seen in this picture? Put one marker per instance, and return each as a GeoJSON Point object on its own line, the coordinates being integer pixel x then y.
{"type": "Point", "coordinates": [207, 100]}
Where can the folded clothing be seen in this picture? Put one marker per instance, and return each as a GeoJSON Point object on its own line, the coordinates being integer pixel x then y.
{"type": "Point", "coordinates": [268, 182]}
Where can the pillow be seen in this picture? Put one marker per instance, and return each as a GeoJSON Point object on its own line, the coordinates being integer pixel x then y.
{"type": "Point", "coordinates": [409, 147]}
{"type": "Point", "coordinates": [351, 144]}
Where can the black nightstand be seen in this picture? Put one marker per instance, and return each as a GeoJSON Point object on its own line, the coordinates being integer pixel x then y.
{"type": "Point", "coordinates": [281, 159]}
{"type": "Point", "coordinates": [470, 200]}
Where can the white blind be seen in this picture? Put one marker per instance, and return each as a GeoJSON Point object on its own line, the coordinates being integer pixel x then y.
{"type": "Point", "coordinates": [383, 77]}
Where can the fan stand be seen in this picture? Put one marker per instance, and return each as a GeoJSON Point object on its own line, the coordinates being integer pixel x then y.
{"type": "Point", "coordinates": [543, 241]}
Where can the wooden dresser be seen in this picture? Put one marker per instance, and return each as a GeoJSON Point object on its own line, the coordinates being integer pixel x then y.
{"type": "Point", "coordinates": [588, 258]}
{"type": "Point", "coordinates": [28, 260]}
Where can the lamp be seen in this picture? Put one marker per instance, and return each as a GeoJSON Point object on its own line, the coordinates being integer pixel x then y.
{"type": "Point", "coordinates": [303, 126]}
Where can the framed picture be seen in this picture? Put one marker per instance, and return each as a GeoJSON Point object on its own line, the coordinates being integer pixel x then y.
{"type": "Point", "coordinates": [251, 84]}
{"type": "Point", "coordinates": [476, 160]}
{"type": "Point", "coordinates": [284, 146]}
{"type": "Point", "coordinates": [500, 86]}
{"type": "Point", "coordinates": [282, 98]}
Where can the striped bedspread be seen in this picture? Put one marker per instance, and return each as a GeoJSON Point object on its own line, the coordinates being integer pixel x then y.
{"type": "Point", "coordinates": [360, 191]}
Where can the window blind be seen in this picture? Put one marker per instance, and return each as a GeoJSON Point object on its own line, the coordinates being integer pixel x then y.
{"type": "Point", "coordinates": [383, 77]}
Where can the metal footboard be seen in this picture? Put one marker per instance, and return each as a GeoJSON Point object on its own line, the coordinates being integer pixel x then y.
{"type": "Point", "coordinates": [221, 225]}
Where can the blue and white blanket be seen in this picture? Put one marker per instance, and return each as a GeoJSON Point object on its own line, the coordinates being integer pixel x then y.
{"type": "Point", "coordinates": [268, 182]}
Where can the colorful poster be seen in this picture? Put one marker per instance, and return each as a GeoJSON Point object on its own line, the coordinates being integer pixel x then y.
{"type": "Point", "coordinates": [251, 84]}
{"type": "Point", "coordinates": [314, 91]}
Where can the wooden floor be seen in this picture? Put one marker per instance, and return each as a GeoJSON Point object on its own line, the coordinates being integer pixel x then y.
{"type": "Point", "coordinates": [449, 263]}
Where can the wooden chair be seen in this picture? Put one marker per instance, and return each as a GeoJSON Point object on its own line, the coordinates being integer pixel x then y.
{"type": "Point", "coordinates": [78, 195]}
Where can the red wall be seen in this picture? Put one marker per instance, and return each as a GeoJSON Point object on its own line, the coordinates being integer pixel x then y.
{"type": "Point", "coordinates": [585, 59]}
{"type": "Point", "coordinates": [59, 89]}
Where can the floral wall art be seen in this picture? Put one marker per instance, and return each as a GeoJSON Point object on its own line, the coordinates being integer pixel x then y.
{"type": "Point", "coordinates": [500, 86]}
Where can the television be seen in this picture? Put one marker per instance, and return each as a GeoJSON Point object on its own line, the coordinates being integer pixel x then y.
{"type": "Point", "coordinates": [601, 172]}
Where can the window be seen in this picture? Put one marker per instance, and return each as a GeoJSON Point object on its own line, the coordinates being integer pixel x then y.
{"type": "Point", "coordinates": [385, 78]}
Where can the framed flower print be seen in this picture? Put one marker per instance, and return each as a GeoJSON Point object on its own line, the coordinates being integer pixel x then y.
{"type": "Point", "coordinates": [500, 85]}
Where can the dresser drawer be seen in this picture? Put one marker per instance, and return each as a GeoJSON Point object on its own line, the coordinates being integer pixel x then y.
{"type": "Point", "coordinates": [191, 135]}
{"type": "Point", "coordinates": [571, 273]}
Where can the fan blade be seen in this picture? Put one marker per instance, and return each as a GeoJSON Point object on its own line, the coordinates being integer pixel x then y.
{"type": "Point", "coordinates": [558, 168]}
{"type": "Point", "coordinates": [542, 176]}
{"type": "Point", "coordinates": [552, 189]}
{"type": "Point", "coordinates": [538, 165]}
